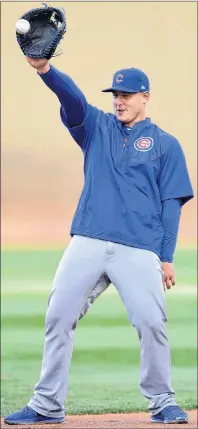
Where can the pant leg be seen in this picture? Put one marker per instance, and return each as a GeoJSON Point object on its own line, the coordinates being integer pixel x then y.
{"type": "Point", "coordinates": [137, 275]}
{"type": "Point", "coordinates": [101, 285]}
{"type": "Point", "coordinates": [74, 288]}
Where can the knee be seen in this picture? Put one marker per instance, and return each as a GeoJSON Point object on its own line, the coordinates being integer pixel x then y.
{"type": "Point", "coordinates": [61, 323]}
{"type": "Point", "coordinates": [150, 323]}
{"type": "Point", "coordinates": [57, 322]}
{"type": "Point", "coordinates": [52, 320]}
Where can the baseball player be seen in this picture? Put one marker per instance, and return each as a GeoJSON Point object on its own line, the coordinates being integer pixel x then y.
{"type": "Point", "coordinates": [124, 232]}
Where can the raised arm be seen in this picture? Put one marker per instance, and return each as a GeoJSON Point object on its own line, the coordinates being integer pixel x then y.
{"type": "Point", "coordinates": [76, 113]}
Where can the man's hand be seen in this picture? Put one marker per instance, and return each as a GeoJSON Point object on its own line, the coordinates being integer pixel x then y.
{"type": "Point", "coordinates": [169, 275]}
{"type": "Point", "coordinates": [42, 65]}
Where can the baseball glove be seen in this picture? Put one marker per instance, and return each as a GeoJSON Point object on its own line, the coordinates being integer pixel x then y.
{"type": "Point", "coordinates": [47, 27]}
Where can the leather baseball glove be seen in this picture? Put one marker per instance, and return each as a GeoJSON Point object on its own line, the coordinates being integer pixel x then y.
{"type": "Point", "coordinates": [47, 27]}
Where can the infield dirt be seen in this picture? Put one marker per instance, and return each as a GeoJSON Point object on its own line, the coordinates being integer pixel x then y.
{"type": "Point", "coordinates": [134, 420]}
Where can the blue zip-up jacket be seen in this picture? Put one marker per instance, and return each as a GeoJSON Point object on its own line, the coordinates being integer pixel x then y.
{"type": "Point", "coordinates": [130, 175]}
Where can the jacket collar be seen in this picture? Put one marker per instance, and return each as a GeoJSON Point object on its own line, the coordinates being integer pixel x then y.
{"type": "Point", "coordinates": [137, 126]}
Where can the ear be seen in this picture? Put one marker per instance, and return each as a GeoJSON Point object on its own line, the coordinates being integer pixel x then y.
{"type": "Point", "coordinates": [146, 97]}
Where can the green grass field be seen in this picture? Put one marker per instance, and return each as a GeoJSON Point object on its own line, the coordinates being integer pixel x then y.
{"type": "Point", "coordinates": [104, 374]}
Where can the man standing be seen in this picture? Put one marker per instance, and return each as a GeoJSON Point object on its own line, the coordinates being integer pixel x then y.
{"type": "Point", "coordinates": [124, 231]}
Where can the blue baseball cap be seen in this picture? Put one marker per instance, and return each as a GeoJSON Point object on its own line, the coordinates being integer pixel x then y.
{"type": "Point", "coordinates": [129, 80]}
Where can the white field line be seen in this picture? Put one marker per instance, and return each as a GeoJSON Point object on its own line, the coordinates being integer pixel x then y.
{"type": "Point", "coordinates": [19, 287]}
{"type": "Point", "coordinates": [33, 287]}
{"type": "Point", "coordinates": [176, 290]}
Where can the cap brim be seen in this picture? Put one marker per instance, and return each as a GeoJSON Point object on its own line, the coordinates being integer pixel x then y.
{"type": "Point", "coordinates": [121, 89]}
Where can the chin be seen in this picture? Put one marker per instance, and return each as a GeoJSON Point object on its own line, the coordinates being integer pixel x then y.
{"type": "Point", "coordinates": [125, 121]}
{"type": "Point", "coordinates": [122, 119]}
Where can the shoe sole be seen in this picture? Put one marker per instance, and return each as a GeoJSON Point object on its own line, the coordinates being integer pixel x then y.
{"type": "Point", "coordinates": [176, 422]}
{"type": "Point", "coordinates": [26, 422]}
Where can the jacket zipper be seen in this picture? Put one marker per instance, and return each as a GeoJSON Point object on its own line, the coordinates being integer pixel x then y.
{"type": "Point", "coordinates": [128, 140]}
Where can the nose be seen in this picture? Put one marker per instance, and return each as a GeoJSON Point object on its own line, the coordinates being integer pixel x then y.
{"type": "Point", "coordinates": [118, 101]}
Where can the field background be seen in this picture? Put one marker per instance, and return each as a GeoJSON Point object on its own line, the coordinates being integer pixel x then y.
{"type": "Point", "coordinates": [42, 177]}
{"type": "Point", "coordinates": [105, 368]}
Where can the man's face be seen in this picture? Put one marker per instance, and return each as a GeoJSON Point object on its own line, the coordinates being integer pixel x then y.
{"type": "Point", "coordinates": [129, 106]}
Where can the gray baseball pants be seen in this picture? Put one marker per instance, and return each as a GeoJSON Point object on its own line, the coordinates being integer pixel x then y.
{"type": "Point", "coordinates": [86, 269]}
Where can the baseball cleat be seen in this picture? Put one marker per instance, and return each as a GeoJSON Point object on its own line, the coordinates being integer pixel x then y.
{"type": "Point", "coordinates": [172, 414]}
{"type": "Point", "coordinates": [27, 416]}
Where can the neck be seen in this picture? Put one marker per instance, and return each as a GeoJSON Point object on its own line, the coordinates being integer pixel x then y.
{"type": "Point", "coordinates": [140, 117]}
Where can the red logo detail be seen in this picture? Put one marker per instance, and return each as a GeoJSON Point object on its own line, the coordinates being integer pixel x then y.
{"type": "Point", "coordinates": [144, 144]}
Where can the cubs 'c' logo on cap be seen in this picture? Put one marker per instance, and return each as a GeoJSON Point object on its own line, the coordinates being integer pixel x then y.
{"type": "Point", "coordinates": [119, 78]}
{"type": "Point", "coordinates": [143, 144]}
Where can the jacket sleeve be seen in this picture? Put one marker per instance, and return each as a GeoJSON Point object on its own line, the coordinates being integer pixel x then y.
{"type": "Point", "coordinates": [174, 180]}
{"type": "Point", "coordinates": [76, 113]}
